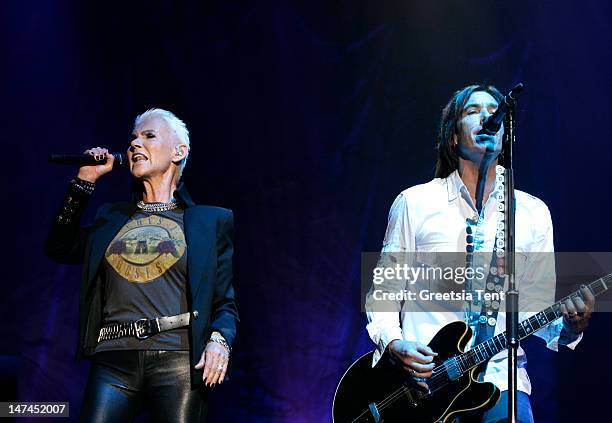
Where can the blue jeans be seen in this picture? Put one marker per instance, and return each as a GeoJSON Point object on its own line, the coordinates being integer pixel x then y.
{"type": "Point", "coordinates": [499, 412]}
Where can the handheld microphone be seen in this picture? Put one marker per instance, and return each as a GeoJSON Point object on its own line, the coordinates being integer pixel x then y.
{"type": "Point", "coordinates": [85, 159]}
{"type": "Point", "coordinates": [494, 122]}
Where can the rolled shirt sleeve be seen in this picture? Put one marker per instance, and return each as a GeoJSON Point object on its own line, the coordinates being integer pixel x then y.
{"type": "Point", "coordinates": [384, 326]}
{"type": "Point", "coordinates": [537, 287]}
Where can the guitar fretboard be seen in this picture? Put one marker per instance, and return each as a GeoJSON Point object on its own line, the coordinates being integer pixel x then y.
{"type": "Point", "coordinates": [484, 351]}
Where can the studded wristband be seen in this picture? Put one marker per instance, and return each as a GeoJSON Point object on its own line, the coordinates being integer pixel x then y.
{"type": "Point", "coordinates": [83, 186]}
{"type": "Point", "coordinates": [74, 201]}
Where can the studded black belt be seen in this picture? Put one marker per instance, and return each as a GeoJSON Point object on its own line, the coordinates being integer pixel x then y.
{"type": "Point", "coordinates": [145, 328]}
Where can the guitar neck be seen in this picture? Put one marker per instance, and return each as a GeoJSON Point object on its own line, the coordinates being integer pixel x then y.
{"type": "Point", "coordinates": [484, 351]}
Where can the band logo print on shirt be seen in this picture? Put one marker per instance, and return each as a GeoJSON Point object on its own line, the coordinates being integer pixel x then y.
{"type": "Point", "coordinates": [145, 248]}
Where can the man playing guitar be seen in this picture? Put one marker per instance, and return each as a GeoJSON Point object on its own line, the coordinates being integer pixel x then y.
{"type": "Point", "coordinates": [432, 218]}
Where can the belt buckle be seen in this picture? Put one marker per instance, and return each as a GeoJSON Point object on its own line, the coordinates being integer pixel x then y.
{"type": "Point", "coordinates": [141, 328]}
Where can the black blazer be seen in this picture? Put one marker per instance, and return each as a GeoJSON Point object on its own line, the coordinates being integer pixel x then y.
{"type": "Point", "coordinates": [209, 238]}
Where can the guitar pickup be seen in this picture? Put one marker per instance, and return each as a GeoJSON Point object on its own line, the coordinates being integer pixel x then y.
{"type": "Point", "coordinates": [452, 369]}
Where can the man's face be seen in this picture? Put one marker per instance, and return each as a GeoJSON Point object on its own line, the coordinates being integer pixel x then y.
{"type": "Point", "coordinates": [152, 148]}
{"type": "Point", "coordinates": [472, 146]}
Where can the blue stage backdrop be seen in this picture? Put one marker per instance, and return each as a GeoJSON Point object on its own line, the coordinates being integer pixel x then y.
{"type": "Point", "coordinates": [307, 119]}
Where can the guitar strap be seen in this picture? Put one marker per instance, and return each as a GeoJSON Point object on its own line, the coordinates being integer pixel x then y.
{"type": "Point", "coordinates": [490, 308]}
{"type": "Point", "coordinates": [487, 320]}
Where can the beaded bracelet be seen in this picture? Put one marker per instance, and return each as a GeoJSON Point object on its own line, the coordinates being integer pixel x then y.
{"type": "Point", "coordinates": [219, 339]}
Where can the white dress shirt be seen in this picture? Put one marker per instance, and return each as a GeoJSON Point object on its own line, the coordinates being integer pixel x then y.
{"type": "Point", "coordinates": [431, 217]}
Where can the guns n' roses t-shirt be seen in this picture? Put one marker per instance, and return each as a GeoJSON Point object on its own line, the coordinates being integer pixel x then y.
{"type": "Point", "coordinates": [145, 273]}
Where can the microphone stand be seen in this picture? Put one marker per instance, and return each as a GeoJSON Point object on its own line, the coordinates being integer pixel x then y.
{"type": "Point", "coordinates": [483, 171]}
{"type": "Point", "coordinates": [512, 295]}
{"type": "Point", "coordinates": [506, 243]}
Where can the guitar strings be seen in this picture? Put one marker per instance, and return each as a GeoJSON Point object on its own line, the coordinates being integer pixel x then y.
{"type": "Point", "coordinates": [437, 381]}
{"type": "Point", "coordinates": [400, 391]}
{"type": "Point", "coordinates": [442, 377]}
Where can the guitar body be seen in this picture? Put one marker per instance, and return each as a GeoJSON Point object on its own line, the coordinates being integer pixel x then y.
{"type": "Point", "coordinates": [363, 392]}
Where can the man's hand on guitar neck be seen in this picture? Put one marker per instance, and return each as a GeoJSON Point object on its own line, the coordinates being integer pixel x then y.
{"type": "Point", "coordinates": [414, 357]}
{"type": "Point", "coordinates": [576, 312]}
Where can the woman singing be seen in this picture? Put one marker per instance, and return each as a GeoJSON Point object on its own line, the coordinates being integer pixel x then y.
{"type": "Point", "coordinates": [157, 310]}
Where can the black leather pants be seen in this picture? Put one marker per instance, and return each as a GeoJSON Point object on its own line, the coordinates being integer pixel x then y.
{"type": "Point", "coordinates": [123, 382]}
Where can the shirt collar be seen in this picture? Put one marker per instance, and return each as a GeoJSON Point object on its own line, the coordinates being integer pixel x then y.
{"type": "Point", "coordinates": [456, 187]}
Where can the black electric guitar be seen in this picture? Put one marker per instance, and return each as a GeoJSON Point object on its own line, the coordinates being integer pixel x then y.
{"type": "Point", "coordinates": [384, 393]}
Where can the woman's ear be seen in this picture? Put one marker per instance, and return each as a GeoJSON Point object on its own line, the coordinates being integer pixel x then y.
{"type": "Point", "coordinates": [180, 152]}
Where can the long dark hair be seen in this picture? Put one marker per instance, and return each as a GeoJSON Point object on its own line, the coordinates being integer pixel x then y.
{"type": "Point", "coordinates": [448, 159]}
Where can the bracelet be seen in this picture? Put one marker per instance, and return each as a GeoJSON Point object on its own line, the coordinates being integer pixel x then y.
{"type": "Point", "coordinates": [219, 339]}
{"type": "Point", "coordinates": [83, 186]}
